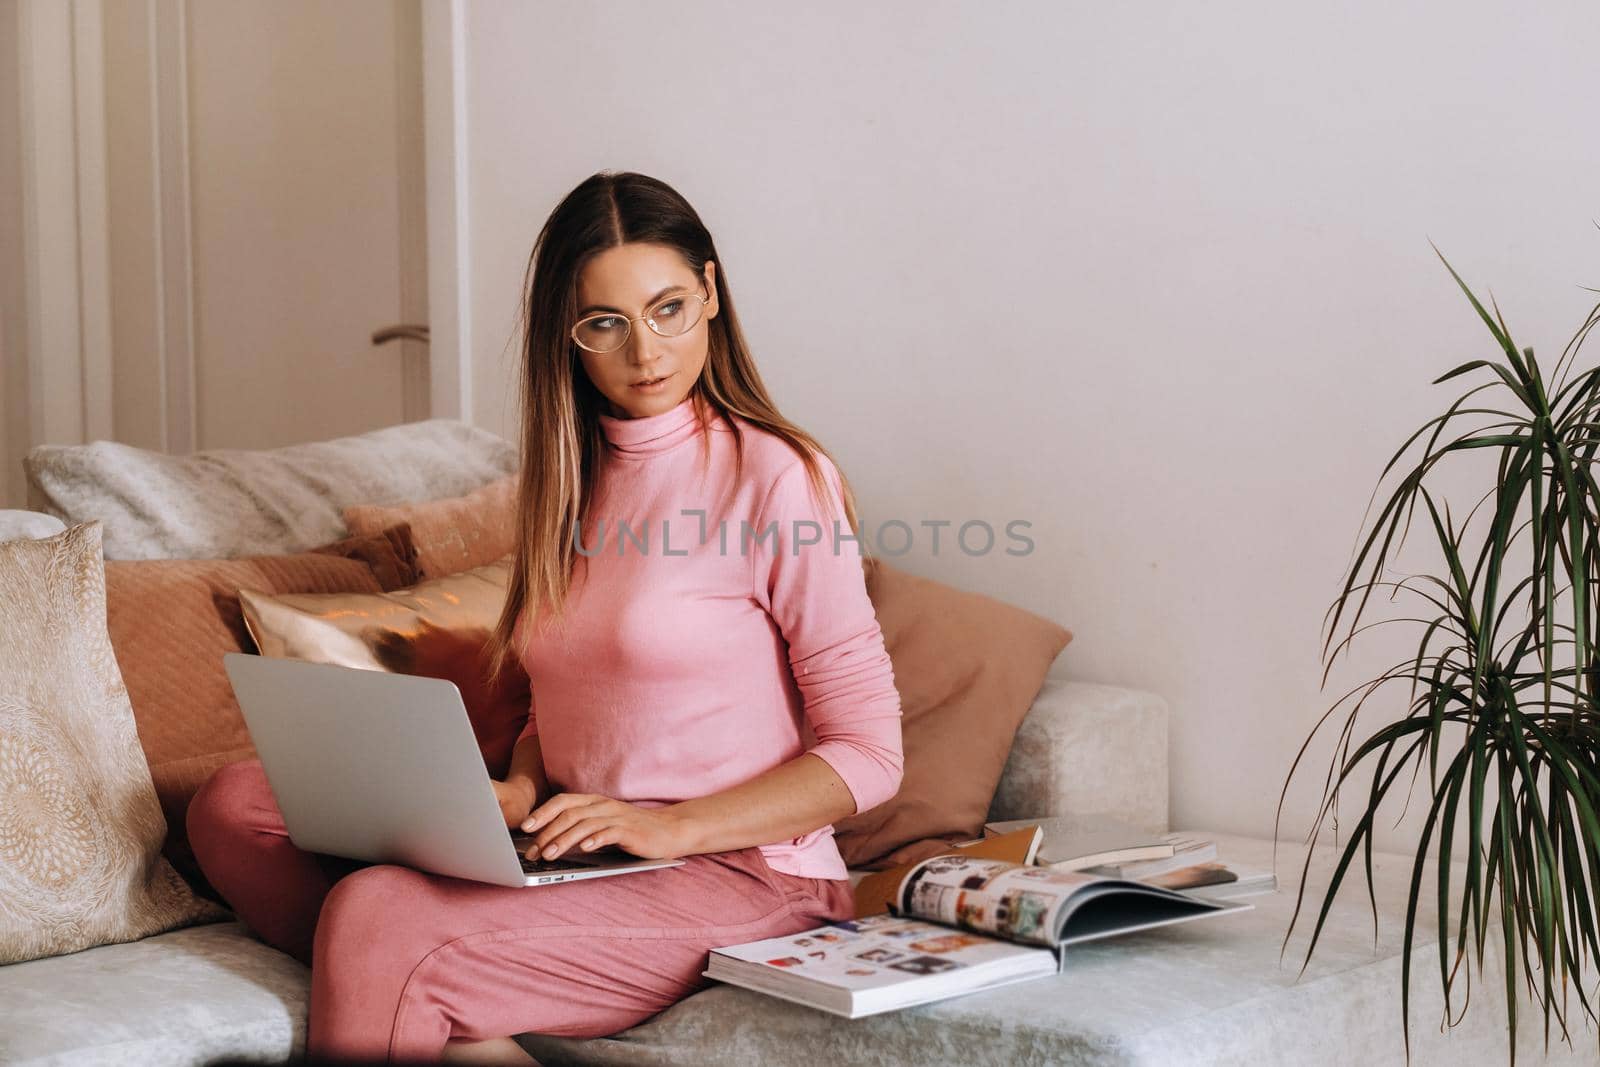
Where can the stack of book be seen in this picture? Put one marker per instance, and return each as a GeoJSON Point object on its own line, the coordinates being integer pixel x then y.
{"type": "Point", "coordinates": [1179, 861]}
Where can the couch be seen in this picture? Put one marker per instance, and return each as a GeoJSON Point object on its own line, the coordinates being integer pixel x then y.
{"type": "Point", "coordinates": [197, 994]}
{"type": "Point", "coordinates": [1199, 993]}
{"type": "Point", "coordinates": [214, 991]}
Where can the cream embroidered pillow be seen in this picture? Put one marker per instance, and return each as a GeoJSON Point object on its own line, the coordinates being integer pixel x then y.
{"type": "Point", "coordinates": [80, 829]}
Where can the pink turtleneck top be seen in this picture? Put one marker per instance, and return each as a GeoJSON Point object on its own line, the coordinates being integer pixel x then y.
{"type": "Point", "coordinates": [717, 627]}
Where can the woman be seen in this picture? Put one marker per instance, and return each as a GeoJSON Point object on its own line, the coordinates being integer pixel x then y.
{"type": "Point", "coordinates": [688, 597]}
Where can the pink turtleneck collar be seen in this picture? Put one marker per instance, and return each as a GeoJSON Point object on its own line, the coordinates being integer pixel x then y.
{"type": "Point", "coordinates": [652, 434]}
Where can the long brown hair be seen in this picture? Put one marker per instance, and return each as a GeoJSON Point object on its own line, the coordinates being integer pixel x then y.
{"type": "Point", "coordinates": [561, 438]}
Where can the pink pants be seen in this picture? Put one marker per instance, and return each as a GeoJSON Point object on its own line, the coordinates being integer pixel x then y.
{"type": "Point", "coordinates": [402, 960]}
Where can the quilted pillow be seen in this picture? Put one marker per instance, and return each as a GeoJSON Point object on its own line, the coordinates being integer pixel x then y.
{"type": "Point", "coordinates": [80, 826]}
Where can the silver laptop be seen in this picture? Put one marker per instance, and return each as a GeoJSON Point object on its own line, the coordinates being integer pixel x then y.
{"type": "Point", "coordinates": [385, 768]}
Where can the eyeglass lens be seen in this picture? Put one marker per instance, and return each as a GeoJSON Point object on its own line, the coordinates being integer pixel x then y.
{"type": "Point", "coordinates": [673, 317]}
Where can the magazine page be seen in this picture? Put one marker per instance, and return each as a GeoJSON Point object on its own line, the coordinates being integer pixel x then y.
{"type": "Point", "coordinates": [1025, 904]}
{"type": "Point", "coordinates": [871, 953]}
{"type": "Point", "coordinates": [876, 893]}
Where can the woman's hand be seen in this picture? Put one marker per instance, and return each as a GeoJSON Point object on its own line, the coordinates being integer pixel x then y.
{"type": "Point", "coordinates": [586, 822]}
{"type": "Point", "coordinates": [517, 797]}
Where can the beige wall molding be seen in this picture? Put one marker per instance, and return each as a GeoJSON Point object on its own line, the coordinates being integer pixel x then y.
{"type": "Point", "coordinates": [67, 353]}
{"type": "Point", "coordinates": [174, 250]}
{"type": "Point", "coordinates": [444, 78]}
{"type": "Point", "coordinates": [411, 139]}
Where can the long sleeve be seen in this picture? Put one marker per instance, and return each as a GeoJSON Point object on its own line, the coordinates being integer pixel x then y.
{"type": "Point", "coordinates": [817, 595]}
{"type": "Point", "coordinates": [531, 728]}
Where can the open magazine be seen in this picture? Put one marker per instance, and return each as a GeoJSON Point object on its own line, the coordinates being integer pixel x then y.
{"type": "Point", "coordinates": [957, 923]}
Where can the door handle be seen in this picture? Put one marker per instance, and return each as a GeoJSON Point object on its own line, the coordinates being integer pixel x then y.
{"type": "Point", "coordinates": [402, 332]}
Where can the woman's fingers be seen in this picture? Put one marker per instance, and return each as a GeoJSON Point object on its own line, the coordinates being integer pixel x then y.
{"type": "Point", "coordinates": [545, 841]}
{"type": "Point", "coordinates": [574, 836]}
{"type": "Point", "coordinates": [554, 807]}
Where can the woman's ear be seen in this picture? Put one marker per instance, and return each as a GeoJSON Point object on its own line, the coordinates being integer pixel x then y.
{"type": "Point", "coordinates": [712, 305]}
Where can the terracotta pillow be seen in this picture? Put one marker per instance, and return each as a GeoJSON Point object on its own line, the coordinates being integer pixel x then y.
{"type": "Point", "coordinates": [437, 628]}
{"type": "Point", "coordinates": [391, 553]}
{"type": "Point", "coordinates": [80, 826]}
{"type": "Point", "coordinates": [170, 623]}
{"type": "Point", "coordinates": [454, 534]}
{"type": "Point", "coordinates": [967, 667]}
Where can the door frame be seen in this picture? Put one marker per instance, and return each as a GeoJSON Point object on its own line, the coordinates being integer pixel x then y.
{"type": "Point", "coordinates": [444, 105]}
{"type": "Point", "coordinates": [67, 359]}
{"type": "Point", "coordinates": [65, 240]}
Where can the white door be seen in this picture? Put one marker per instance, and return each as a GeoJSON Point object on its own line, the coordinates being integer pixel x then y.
{"type": "Point", "coordinates": [264, 171]}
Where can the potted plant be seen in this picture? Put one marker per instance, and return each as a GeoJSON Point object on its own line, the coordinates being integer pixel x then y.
{"type": "Point", "coordinates": [1503, 709]}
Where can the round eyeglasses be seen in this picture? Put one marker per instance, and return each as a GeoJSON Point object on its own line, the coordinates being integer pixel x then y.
{"type": "Point", "coordinates": [671, 316]}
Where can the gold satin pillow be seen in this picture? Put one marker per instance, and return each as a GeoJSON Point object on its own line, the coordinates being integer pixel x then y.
{"type": "Point", "coordinates": [437, 628]}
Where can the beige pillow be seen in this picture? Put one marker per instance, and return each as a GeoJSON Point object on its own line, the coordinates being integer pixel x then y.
{"type": "Point", "coordinates": [967, 667]}
{"type": "Point", "coordinates": [438, 628]}
{"type": "Point", "coordinates": [80, 827]}
{"type": "Point", "coordinates": [454, 534]}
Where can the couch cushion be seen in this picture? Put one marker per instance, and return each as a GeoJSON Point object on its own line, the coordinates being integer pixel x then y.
{"type": "Point", "coordinates": [80, 828]}
{"type": "Point", "coordinates": [1088, 750]}
{"type": "Point", "coordinates": [179, 999]}
{"type": "Point", "coordinates": [225, 503]}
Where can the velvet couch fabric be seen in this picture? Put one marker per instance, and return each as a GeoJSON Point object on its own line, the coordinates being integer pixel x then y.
{"type": "Point", "coordinates": [181, 999]}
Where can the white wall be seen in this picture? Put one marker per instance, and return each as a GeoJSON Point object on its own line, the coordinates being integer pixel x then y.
{"type": "Point", "coordinates": [1155, 277]}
